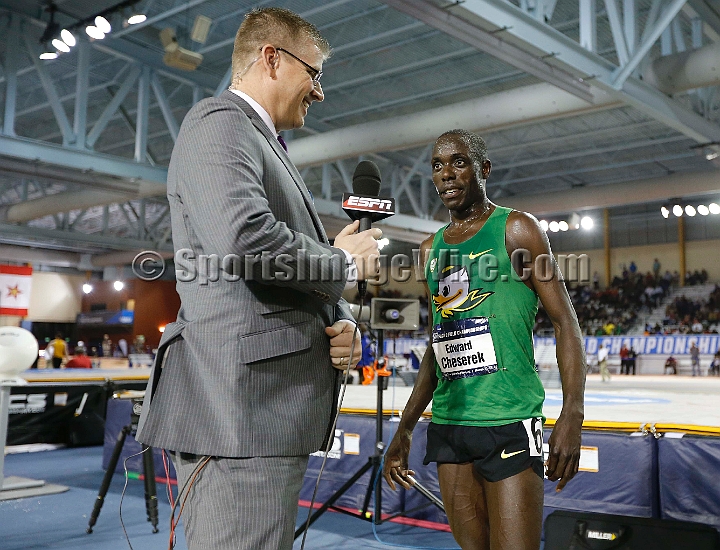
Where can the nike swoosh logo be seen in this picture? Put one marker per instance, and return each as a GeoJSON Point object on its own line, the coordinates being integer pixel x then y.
{"type": "Point", "coordinates": [473, 256]}
{"type": "Point", "coordinates": [505, 455]}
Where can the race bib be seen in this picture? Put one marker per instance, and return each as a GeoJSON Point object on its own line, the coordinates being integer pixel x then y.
{"type": "Point", "coordinates": [464, 348]}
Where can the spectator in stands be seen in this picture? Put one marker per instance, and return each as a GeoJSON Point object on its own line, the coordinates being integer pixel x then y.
{"type": "Point", "coordinates": [715, 365]}
{"type": "Point", "coordinates": [633, 268]}
{"type": "Point", "coordinates": [695, 359]}
{"type": "Point", "coordinates": [596, 281]}
{"type": "Point", "coordinates": [671, 363]}
{"type": "Point", "coordinates": [80, 361]}
{"type": "Point", "coordinates": [602, 363]}
{"type": "Point", "coordinates": [696, 327]}
{"type": "Point", "coordinates": [656, 269]}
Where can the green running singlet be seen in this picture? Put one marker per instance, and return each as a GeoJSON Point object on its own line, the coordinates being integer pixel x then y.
{"type": "Point", "coordinates": [482, 315]}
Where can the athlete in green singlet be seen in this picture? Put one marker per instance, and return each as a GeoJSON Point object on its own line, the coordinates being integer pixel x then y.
{"type": "Point", "coordinates": [486, 429]}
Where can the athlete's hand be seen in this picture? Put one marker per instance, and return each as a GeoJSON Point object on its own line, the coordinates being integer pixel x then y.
{"type": "Point", "coordinates": [395, 467]}
{"type": "Point", "coordinates": [564, 455]}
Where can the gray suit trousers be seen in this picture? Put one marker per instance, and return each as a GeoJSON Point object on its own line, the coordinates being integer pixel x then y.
{"type": "Point", "coordinates": [241, 503]}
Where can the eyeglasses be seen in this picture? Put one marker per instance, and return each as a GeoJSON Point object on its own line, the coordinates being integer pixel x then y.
{"type": "Point", "coordinates": [315, 75]}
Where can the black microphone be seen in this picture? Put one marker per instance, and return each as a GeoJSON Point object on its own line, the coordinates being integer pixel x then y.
{"type": "Point", "coordinates": [364, 203]}
{"type": "Point", "coordinates": [366, 181]}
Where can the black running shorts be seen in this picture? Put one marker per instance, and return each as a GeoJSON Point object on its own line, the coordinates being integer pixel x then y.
{"type": "Point", "coordinates": [497, 452]}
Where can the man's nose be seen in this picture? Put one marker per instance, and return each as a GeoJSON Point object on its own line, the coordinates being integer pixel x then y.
{"type": "Point", "coordinates": [317, 92]}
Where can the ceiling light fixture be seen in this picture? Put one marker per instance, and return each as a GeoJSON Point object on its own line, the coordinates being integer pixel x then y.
{"type": "Point", "coordinates": [554, 226]}
{"type": "Point", "coordinates": [544, 225]}
{"type": "Point", "coordinates": [677, 210]}
{"type": "Point", "coordinates": [60, 46]}
{"type": "Point", "coordinates": [587, 223]}
{"type": "Point", "coordinates": [714, 208]}
{"type": "Point", "coordinates": [665, 211]}
{"type": "Point", "coordinates": [94, 32]}
{"type": "Point", "coordinates": [68, 37]}
{"type": "Point", "coordinates": [137, 19]}
{"type": "Point", "coordinates": [103, 24]}
{"type": "Point", "coordinates": [703, 210]}
{"type": "Point", "coordinates": [690, 210]}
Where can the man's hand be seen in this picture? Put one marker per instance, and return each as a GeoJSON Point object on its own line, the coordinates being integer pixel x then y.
{"type": "Point", "coordinates": [564, 456]}
{"type": "Point", "coordinates": [341, 337]}
{"type": "Point", "coordinates": [362, 247]}
{"type": "Point", "coordinates": [395, 467]}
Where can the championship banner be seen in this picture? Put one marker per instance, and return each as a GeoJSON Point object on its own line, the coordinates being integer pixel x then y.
{"type": "Point", "coordinates": [15, 283]}
{"type": "Point", "coordinates": [656, 344]}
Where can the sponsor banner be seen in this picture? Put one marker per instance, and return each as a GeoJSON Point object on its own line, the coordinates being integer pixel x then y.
{"type": "Point", "coordinates": [72, 414]}
{"type": "Point", "coordinates": [122, 317]}
{"type": "Point", "coordinates": [15, 284]}
{"type": "Point", "coordinates": [657, 344]}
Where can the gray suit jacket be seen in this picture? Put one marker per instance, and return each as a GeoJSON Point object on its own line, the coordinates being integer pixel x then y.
{"type": "Point", "coordinates": [245, 370]}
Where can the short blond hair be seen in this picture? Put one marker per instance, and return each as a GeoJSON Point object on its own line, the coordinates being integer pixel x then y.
{"type": "Point", "coordinates": [277, 26]}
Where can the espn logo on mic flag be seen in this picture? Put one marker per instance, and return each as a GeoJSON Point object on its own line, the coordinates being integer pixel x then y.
{"type": "Point", "coordinates": [15, 285]}
{"type": "Point", "coordinates": [356, 205]}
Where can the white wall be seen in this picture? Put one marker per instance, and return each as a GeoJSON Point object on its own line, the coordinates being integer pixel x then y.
{"type": "Point", "coordinates": [54, 297]}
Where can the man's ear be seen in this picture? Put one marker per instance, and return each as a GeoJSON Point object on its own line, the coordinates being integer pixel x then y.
{"type": "Point", "coordinates": [270, 57]}
{"type": "Point", "coordinates": [486, 168]}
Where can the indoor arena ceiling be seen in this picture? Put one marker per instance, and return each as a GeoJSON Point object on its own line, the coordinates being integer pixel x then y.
{"type": "Point", "coordinates": [578, 100]}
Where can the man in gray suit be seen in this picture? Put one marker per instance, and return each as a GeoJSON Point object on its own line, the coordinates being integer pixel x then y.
{"type": "Point", "coordinates": [243, 387]}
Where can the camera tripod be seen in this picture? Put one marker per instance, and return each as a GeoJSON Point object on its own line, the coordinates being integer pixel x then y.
{"type": "Point", "coordinates": [374, 463]}
{"type": "Point", "coordinates": [151, 502]}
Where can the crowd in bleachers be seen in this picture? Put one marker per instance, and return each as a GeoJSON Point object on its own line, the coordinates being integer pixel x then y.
{"type": "Point", "coordinates": [615, 309]}
{"type": "Point", "coordinates": [685, 316]}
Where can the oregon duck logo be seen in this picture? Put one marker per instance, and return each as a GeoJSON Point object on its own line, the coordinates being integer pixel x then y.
{"type": "Point", "coordinates": [454, 294]}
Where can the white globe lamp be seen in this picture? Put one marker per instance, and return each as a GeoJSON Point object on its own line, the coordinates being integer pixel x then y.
{"type": "Point", "coordinates": [18, 351]}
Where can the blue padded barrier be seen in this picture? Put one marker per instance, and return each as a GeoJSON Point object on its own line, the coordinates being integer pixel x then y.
{"type": "Point", "coordinates": [625, 483]}
{"type": "Point", "coordinates": [689, 475]}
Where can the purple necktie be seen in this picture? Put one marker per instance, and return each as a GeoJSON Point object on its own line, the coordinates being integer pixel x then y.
{"type": "Point", "coordinates": [282, 142]}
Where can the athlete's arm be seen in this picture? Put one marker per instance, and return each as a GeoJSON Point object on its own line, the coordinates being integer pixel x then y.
{"type": "Point", "coordinates": [524, 232]}
{"type": "Point", "coordinates": [395, 467]}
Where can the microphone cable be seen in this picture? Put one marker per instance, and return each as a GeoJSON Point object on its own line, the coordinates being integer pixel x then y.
{"type": "Point", "coordinates": [331, 439]}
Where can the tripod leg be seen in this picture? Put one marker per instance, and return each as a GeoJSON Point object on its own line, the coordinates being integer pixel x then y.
{"type": "Point", "coordinates": [151, 503]}
{"type": "Point", "coordinates": [105, 485]}
{"type": "Point", "coordinates": [366, 503]}
{"type": "Point", "coordinates": [349, 483]}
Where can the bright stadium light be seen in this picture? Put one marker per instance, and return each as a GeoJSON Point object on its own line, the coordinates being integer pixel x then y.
{"type": "Point", "coordinates": [703, 210]}
{"type": "Point", "coordinates": [690, 210]}
{"type": "Point", "coordinates": [563, 225]}
{"type": "Point", "coordinates": [102, 24]}
{"type": "Point", "coordinates": [587, 223]}
{"type": "Point", "coordinates": [137, 18]}
{"type": "Point", "coordinates": [544, 225]}
{"type": "Point", "coordinates": [678, 210]}
{"type": "Point", "coordinates": [68, 37]}
{"type": "Point", "coordinates": [94, 32]}
{"type": "Point", "coordinates": [119, 285]}
{"type": "Point", "coordinates": [60, 46]}
{"type": "Point", "coordinates": [554, 226]}
{"type": "Point", "coordinates": [87, 288]}
{"type": "Point", "coordinates": [48, 55]}
{"type": "Point", "coordinates": [664, 211]}
{"type": "Point", "coordinates": [714, 208]}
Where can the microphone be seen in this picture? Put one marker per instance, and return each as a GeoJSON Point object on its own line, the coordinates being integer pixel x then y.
{"type": "Point", "coordinates": [364, 203]}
